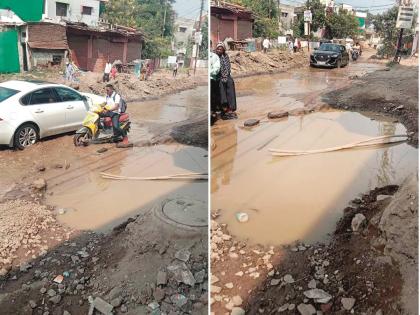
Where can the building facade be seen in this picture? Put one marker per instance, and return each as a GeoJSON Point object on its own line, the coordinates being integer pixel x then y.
{"type": "Point", "coordinates": [286, 15]}
{"type": "Point", "coordinates": [82, 11]}
{"type": "Point", "coordinates": [38, 36]}
{"type": "Point", "coordinates": [184, 29]}
{"type": "Point", "coordinates": [230, 21]}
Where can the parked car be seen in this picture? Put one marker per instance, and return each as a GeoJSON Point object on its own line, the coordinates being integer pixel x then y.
{"type": "Point", "coordinates": [31, 110]}
{"type": "Point", "coordinates": [330, 55]}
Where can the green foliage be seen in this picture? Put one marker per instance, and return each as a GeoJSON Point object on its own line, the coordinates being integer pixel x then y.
{"type": "Point", "coordinates": [318, 18]}
{"type": "Point", "coordinates": [265, 27]}
{"type": "Point", "coordinates": [158, 47]}
{"type": "Point", "coordinates": [318, 14]}
{"type": "Point", "coordinates": [385, 26]}
{"type": "Point", "coordinates": [341, 25]}
{"type": "Point", "coordinates": [148, 15]}
{"type": "Point", "coordinates": [266, 16]}
{"type": "Point", "coordinates": [203, 54]}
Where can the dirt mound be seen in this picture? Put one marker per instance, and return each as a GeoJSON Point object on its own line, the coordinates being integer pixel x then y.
{"type": "Point", "coordinates": [393, 93]}
{"type": "Point", "coordinates": [160, 83]}
{"type": "Point", "coordinates": [133, 89]}
{"type": "Point", "coordinates": [244, 63]}
{"type": "Point", "coordinates": [352, 273]}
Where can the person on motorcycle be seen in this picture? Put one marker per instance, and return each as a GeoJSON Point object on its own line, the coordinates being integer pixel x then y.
{"type": "Point", "coordinates": [113, 111]}
{"type": "Point", "coordinates": [358, 48]}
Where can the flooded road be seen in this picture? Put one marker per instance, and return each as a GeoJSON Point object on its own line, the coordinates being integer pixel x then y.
{"type": "Point", "coordinates": [99, 204]}
{"type": "Point", "coordinates": [302, 197]}
{"type": "Point", "coordinates": [73, 173]}
{"type": "Point", "coordinates": [171, 108]}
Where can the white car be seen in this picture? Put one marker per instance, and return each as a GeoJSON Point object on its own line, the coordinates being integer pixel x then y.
{"type": "Point", "coordinates": [31, 110]}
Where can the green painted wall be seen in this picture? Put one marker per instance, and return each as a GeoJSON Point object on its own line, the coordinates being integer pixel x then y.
{"type": "Point", "coordinates": [9, 54]}
{"type": "Point", "coordinates": [27, 10]}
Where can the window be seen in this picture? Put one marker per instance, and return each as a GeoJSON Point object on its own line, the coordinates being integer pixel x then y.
{"type": "Point", "coordinates": [284, 14]}
{"type": "Point", "coordinates": [61, 9]}
{"type": "Point", "coordinates": [86, 10]}
{"type": "Point", "coordinates": [42, 96]}
{"type": "Point", "coordinates": [68, 95]}
{"type": "Point", "coordinates": [5, 93]}
{"type": "Point", "coordinates": [182, 29]}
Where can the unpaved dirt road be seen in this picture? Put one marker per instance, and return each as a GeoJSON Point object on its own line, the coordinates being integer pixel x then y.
{"type": "Point", "coordinates": [297, 253]}
{"type": "Point", "coordinates": [122, 241]}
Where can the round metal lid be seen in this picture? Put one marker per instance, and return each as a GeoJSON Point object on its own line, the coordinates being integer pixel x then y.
{"type": "Point", "coordinates": [185, 211]}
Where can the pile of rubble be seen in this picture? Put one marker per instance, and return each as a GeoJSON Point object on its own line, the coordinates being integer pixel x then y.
{"type": "Point", "coordinates": [27, 228]}
{"type": "Point", "coordinates": [245, 63]}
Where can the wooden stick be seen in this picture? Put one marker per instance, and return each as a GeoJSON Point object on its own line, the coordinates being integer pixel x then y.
{"type": "Point", "coordinates": [189, 176]}
{"type": "Point", "coordinates": [363, 143]}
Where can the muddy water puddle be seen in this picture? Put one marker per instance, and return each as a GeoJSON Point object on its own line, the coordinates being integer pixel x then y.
{"type": "Point", "coordinates": [171, 108]}
{"type": "Point", "coordinates": [302, 197]}
{"type": "Point", "coordinates": [95, 203]}
{"type": "Point", "coordinates": [294, 89]}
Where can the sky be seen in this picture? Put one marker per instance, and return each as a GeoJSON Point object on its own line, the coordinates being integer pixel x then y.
{"type": "Point", "coordinates": [189, 8]}
{"type": "Point", "coordinates": [374, 6]}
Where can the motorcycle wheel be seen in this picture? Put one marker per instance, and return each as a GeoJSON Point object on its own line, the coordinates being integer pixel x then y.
{"type": "Point", "coordinates": [82, 139]}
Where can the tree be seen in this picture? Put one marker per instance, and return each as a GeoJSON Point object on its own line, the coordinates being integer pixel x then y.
{"type": "Point", "coordinates": [205, 42]}
{"type": "Point", "coordinates": [318, 14]}
{"type": "Point", "coordinates": [318, 18]}
{"type": "Point", "coordinates": [149, 16]}
{"type": "Point", "coordinates": [385, 26]}
{"type": "Point", "coordinates": [341, 25]}
{"type": "Point", "coordinates": [266, 16]}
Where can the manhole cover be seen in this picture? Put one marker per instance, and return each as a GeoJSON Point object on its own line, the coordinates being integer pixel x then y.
{"type": "Point", "coordinates": [185, 212]}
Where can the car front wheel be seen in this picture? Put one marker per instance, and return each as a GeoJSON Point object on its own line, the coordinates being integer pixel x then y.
{"type": "Point", "coordinates": [25, 136]}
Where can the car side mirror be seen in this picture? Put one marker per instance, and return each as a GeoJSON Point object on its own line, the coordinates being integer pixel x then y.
{"type": "Point", "coordinates": [84, 98]}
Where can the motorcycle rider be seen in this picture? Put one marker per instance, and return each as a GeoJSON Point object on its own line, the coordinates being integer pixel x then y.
{"type": "Point", "coordinates": [113, 111]}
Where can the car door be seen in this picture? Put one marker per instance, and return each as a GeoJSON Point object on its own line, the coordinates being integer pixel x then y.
{"type": "Point", "coordinates": [46, 110]}
{"type": "Point", "coordinates": [75, 105]}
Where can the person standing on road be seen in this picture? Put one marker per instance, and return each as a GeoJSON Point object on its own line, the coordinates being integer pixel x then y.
{"type": "Point", "coordinates": [69, 72]}
{"type": "Point", "coordinates": [290, 45]}
{"type": "Point", "coordinates": [266, 45]}
{"type": "Point", "coordinates": [107, 71]}
{"type": "Point", "coordinates": [214, 85]}
{"type": "Point", "coordinates": [227, 85]}
{"type": "Point", "coordinates": [175, 69]}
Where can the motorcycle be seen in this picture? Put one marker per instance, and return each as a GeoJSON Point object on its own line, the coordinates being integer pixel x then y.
{"type": "Point", "coordinates": [354, 55]}
{"type": "Point", "coordinates": [98, 129]}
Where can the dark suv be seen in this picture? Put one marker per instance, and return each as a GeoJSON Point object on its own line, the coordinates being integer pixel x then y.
{"type": "Point", "coordinates": [330, 55]}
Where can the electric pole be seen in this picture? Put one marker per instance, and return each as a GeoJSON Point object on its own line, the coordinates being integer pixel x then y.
{"type": "Point", "coordinates": [197, 45]}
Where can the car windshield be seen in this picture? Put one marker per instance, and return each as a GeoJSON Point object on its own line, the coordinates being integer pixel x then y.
{"type": "Point", "coordinates": [329, 47]}
{"type": "Point", "coordinates": [5, 93]}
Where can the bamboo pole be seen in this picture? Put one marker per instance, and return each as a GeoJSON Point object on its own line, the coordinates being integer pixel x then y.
{"type": "Point", "coordinates": [185, 176]}
{"type": "Point", "coordinates": [358, 144]}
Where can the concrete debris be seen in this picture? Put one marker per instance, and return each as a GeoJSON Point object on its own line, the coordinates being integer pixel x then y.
{"type": "Point", "coordinates": [277, 115]}
{"type": "Point", "coordinates": [319, 295]}
{"type": "Point", "coordinates": [251, 122]}
{"type": "Point", "coordinates": [237, 311]}
{"type": "Point", "coordinates": [101, 306]}
{"type": "Point", "coordinates": [306, 309]}
{"type": "Point", "coordinates": [183, 255]}
{"type": "Point", "coordinates": [358, 220]}
{"type": "Point", "coordinates": [348, 303]}
{"type": "Point", "coordinates": [288, 279]}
